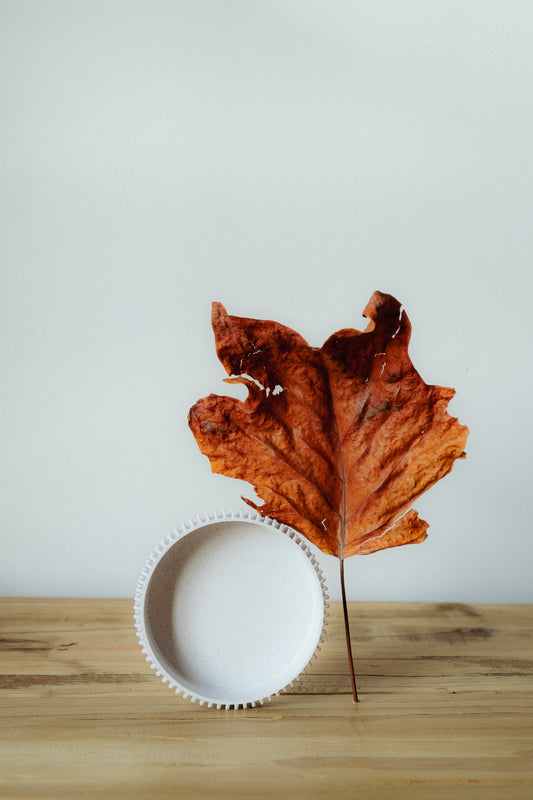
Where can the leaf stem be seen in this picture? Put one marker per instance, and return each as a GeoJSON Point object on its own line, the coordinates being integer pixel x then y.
{"type": "Point", "coordinates": [347, 630]}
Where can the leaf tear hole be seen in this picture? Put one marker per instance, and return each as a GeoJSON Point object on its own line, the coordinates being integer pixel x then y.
{"type": "Point", "coordinates": [250, 378]}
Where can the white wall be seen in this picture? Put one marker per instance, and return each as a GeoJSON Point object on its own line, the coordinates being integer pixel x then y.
{"type": "Point", "coordinates": [286, 158]}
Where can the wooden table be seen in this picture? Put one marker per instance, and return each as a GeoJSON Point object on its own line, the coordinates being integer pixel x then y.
{"type": "Point", "coordinates": [446, 711]}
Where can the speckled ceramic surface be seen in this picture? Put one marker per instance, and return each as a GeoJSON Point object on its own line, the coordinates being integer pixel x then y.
{"type": "Point", "coordinates": [230, 608]}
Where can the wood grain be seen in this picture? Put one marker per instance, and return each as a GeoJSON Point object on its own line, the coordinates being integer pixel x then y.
{"type": "Point", "coordinates": [446, 711]}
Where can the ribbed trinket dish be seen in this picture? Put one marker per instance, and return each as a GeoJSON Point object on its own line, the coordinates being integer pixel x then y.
{"type": "Point", "coordinates": [230, 608]}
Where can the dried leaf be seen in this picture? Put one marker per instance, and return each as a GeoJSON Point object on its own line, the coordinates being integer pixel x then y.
{"type": "Point", "coordinates": [338, 441]}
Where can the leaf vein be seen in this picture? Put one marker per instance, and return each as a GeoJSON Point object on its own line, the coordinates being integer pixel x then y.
{"type": "Point", "coordinates": [282, 458]}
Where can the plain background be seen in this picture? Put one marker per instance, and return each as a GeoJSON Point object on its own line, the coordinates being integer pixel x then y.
{"type": "Point", "coordinates": [286, 158]}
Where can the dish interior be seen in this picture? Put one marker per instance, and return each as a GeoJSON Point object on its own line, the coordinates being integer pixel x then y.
{"type": "Point", "coordinates": [234, 611]}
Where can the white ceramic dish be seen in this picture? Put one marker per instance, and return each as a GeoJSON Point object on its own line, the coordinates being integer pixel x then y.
{"type": "Point", "coordinates": [230, 608]}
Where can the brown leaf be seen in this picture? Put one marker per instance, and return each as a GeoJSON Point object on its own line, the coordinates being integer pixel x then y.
{"type": "Point", "coordinates": [337, 441]}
